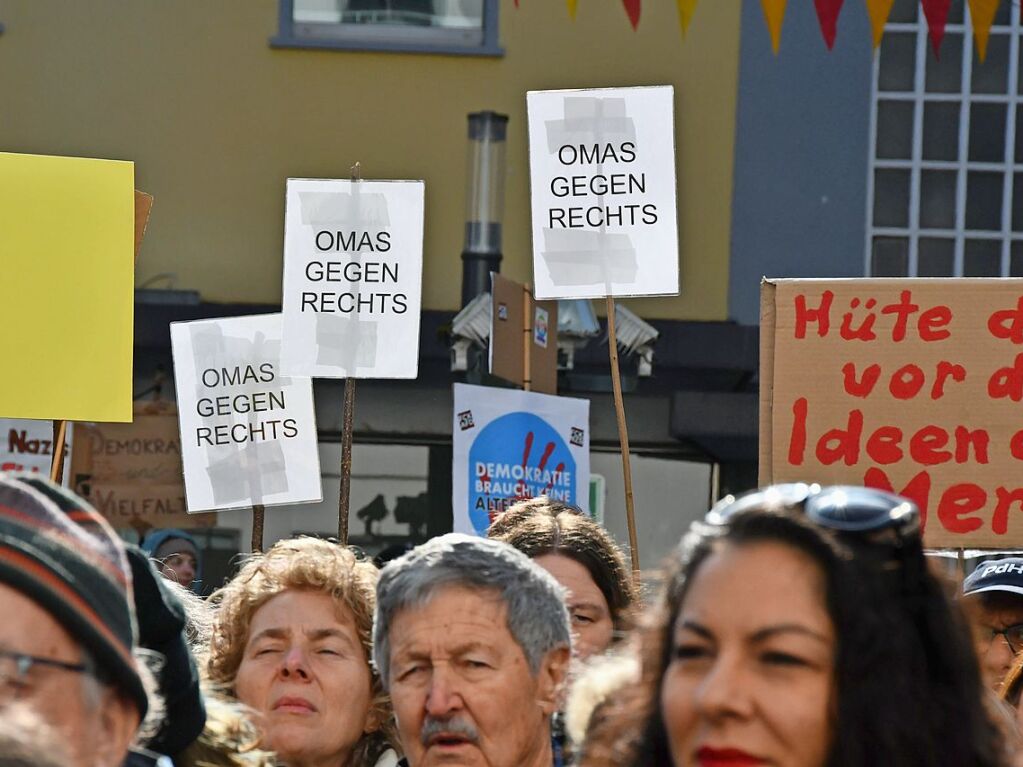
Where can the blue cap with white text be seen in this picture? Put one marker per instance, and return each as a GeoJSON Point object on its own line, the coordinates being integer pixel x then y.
{"type": "Point", "coordinates": [996, 575]}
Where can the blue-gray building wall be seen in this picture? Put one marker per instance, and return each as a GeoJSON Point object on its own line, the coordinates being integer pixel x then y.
{"type": "Point", "coordinates": [802, 144]}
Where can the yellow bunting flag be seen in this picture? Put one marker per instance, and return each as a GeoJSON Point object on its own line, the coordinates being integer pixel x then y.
{"type": "Point", "coordinates": [879, 10]}
{"type": "Point", "coordinates": [685, 13]}
{"type": "Point", "coordinates": [982, 14]}
{"type": "Point", "coordinates": [572, 4]}
{"type": "Point", "coordinates": [774, 14]}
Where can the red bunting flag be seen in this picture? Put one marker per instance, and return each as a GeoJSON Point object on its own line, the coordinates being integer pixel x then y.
{"type": "Point", "coordinates": [774, 14]}
{"type": "Point", "coordinates": [632, 8]}
{"type": "Point", "coordinates": [827, 15]}
{"type": "Point", "coordinates": [936, 12]}
{"type": "Point", "coordinates": [982, 14]}
{"type": "Point", "coordinates": [879, 10]}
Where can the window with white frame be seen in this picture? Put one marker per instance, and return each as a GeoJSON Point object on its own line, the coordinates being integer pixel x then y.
{"type": "Point", "coordinates": [945, 187]}
{"type": "Point", "coordinates": [426, 26]}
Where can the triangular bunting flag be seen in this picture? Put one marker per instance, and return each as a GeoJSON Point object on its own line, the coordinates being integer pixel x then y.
{"type": "Point", "coordinates": [774, 15]}
{"type": "Point", "coordinates": [982, 14]}
{"type": "Point", "coordinates": [879, 10]}
{"type": "Point", "coordinates": [632, 8]}
{"type": "Point", "coordinates": [936, 12]}
{"type": "Point", "coordinates": [827, 15]}
{"type": "Point", "coordinates": [685, 13]}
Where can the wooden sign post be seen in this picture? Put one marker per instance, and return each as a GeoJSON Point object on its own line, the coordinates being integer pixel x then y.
{"type": "Point", "coordinates": [352, 289]}
{"type": "Point", "coordinates": [602, 172]}
{"type": "Point", "coordinates": [347, 421]}
{"type": "Point", "coordinates": [258, 514]}
{"type": "Point", "coordinates": [623, 433]}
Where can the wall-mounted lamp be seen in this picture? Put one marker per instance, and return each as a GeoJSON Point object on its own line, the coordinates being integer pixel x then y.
{"type": "Point", "coordinates": [484, 209]}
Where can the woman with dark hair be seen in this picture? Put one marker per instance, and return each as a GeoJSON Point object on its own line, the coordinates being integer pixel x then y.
{"type": "Point", "coordinates": [583, 558]}
{"type": "Point", "coordinates": [800, 626]}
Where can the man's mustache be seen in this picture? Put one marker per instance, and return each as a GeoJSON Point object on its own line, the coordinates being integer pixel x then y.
{"type": "Point", "coordinates": [432, 727]}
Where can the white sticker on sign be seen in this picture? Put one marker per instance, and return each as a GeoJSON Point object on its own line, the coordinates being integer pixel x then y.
{"type": "Point", "coordinates": [353, 263]}
{"type": "Point", "coordinates": [248, 432]}
{"type": "Point", "coordinates": [602, 174]}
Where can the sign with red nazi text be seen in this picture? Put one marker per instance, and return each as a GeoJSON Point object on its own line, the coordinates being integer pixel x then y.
{"type": "Point", "coordinates": [27, 445]}
{"type": "Point", "coordinates": [909, 385]}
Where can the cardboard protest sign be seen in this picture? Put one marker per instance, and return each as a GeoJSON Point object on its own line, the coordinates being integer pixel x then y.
{"type": "Point", "coordinates": [512, 445]}
{"type": "Point", "coordinates": [248, 432]}
{"type": "Point", "coordinates": [602, 174]}
{"type": "Point", "coordinates": [132, 472]}
{"type": "Point", "coordinates": [67, 232]}
{"type": "Point", "coordinates": [353, 262]}
{"type": "Point", "coordinates": [27, 445]}
{"type": "Point", "coordinates": [520, 326]}
{"type": "Point", "coordinates": [907, 385]}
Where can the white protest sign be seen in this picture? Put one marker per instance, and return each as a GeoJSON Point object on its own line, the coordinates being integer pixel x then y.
{"type": "Point", "coordinates": [602, 175]}
{"type": "Point", "coordinates": [353, 264]}
{"type": "Point", "coordinates": [27, 445]}
{"type": "Point", "coordinates": [511, 445]}
{"type": "Point", "coordinates": [248, 432]}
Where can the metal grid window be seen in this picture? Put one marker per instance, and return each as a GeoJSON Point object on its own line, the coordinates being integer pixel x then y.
{"type": "Point", "coordinates": [467, 27]}
{"type": "Point", "coordinates": [945, 187]}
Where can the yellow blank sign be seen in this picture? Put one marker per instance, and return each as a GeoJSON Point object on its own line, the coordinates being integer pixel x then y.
{"type": "Point", "coordinates": [67, 229]}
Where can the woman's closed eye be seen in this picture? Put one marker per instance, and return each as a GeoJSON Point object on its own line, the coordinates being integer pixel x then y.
{"type": "Point", "coordinates": [779, 658]}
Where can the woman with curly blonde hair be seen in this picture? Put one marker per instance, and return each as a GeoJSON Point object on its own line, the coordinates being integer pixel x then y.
{"type": "Point", "coordinates": [292, 640]}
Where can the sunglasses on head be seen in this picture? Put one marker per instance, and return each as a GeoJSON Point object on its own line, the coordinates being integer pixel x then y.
{"type": "Point", "coordinates": [847, 510]}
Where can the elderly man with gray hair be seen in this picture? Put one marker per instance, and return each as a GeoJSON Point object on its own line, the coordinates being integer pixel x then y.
{"type": "Point", "coordinates": [472, 640]}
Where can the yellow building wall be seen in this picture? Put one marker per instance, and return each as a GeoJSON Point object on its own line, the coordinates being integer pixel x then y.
{"type": "Point", "coordinates": [216, 120]}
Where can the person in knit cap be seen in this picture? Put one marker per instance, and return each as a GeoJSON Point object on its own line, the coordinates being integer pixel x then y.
{"type": "Point", "coordinates": [68, 633]}
{"type": "Point", "coordinates": [178, 556]}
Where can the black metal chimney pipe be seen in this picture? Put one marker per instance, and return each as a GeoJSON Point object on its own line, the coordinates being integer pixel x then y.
{"type": "Point", "coordinates": [484, 206]}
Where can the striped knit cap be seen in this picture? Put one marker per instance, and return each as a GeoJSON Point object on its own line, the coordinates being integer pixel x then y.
{"type": "Point", "coordinates": [57, 550]}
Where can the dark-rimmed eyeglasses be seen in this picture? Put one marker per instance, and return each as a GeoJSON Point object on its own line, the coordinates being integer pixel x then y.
{"type": "Point", "coordinates": [18, 672]}
{"type": "Point", "coordinates": [861, 511]}
{"type": "Point", "coordinates": [1013, 637]}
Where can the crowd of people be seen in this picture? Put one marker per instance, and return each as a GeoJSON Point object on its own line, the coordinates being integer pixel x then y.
{"type": "Point", "coordinates": [794, 626]}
